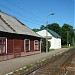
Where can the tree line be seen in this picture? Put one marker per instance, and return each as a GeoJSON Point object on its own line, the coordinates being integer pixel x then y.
{"type": "Point", "coordinates": [66, 32]}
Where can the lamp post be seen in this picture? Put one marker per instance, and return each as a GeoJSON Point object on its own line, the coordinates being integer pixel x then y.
{"type": "Point", "coordinates": [46, 39]}
{"type": "Point", "coordinates": [47, 33]}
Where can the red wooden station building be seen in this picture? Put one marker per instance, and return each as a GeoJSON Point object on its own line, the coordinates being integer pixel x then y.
{"type": "Point", "coordinates": [17, 39]}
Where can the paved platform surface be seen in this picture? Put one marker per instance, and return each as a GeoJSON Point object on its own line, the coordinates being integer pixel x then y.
{"type": "Point", "coordinates": [13, 64]}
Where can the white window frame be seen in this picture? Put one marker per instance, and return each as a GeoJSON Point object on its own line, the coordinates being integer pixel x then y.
{"type": "Point", "coordinates": [34, 45]}
{"type": "Point", "coordinates": [5, 44]}
{"type": "Point", "coordinates": [25, 45]}
{"type": "Point", "coordinates": [40, 44]}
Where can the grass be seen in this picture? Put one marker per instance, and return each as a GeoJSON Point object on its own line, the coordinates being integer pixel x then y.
{"type": "Point", "coordinates": [51, 49]}
{"type": "Point", "coordinates": [48, 50]}
{"type": "Point", "coordinates": [65, 46]}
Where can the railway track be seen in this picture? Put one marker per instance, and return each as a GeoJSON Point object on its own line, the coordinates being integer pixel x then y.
{"type": "Point", "coordinates": [57, 66]}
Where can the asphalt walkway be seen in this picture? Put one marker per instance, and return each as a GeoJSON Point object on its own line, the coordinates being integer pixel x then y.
{"type": "Point", "coordinates": [13, 64]}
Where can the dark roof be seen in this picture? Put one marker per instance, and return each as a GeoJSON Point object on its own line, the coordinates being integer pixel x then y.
{"type": "Point", "coordinates": [53, 33]}
{"type": "Point", "coordinates": [12, 25]}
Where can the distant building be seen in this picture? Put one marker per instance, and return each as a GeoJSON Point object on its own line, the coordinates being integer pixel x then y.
{"type": "Point", "coordinates": [16, 38]}
{"type": "Point", "coordinates": [52, 36]}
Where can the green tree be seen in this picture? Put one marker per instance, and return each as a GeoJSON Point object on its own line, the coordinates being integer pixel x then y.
{"type": "Point", "coordinates": [73, 39]}
{"type": "Point", "coordinates": [42, 27]}
{"type": "Point", "coordinates": [43, 45]}
{"type": "Point", "coordinates": [67, 34]}
{"type": "Point", "coordinates": [0, 10]}
{"type": "Point", "coordinates": [55, 27]}
{"type": "Point", "coordinates": [35, 30]}
{"type": "Point", "coordinates": [49, 45]}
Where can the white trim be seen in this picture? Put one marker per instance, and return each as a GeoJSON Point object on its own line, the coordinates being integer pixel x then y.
{"type": "Point", "coordinates": [29, 44]}
{"type": "Point", "coordinates": [40, 45]}
{"type": "Point", "coordinates": [6, 45]}
{"type": "Point", "coordinates": [25, 45]}
{"type": "Point", "coordinates": [34, 45]}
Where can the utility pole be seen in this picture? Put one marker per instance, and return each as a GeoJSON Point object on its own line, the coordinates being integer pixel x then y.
{"type": "Point", "coordinates": [74, 39]}
{"type": "Point", "coordinates": [67, 39]}
{"type": "Point", "coordinates": [46, 38]}
{"type": "Point", "coordinates": [47, 32]}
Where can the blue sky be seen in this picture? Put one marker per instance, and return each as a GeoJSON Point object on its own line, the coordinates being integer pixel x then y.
{"type": "Point", "coordinates": [33, 13]}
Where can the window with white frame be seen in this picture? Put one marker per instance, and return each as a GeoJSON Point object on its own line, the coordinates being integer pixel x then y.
{"type": "Point", "coordinates": [27, 44]}
{"type": "Point", "coordinates": [2, 45]}
{"type": "Point", "coordinates": [36, 45]}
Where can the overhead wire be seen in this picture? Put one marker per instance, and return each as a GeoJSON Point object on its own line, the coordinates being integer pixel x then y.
{"type": "Point", "coordinates": [22, 17]}
{"type": "Point", "coordinates": [23, 9]}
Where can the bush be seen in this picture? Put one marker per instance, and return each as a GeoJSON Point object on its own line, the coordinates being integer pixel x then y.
{"type": "Point", "coordinates": [49, 45]}
{"type": "Point", "coordinates": [43, 45]}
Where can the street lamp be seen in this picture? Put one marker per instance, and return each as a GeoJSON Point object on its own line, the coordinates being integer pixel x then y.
{"type": "Point", "coordinates": [47, 33]}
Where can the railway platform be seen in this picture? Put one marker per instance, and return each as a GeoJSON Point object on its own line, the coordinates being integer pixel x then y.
{"type": "Point", "coordinates": [13, 64]}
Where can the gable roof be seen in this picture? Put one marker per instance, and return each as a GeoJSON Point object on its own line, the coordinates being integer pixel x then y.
{"type": "Point", "coordinates": [12, 25]}
{"type": "Point", "coordinates": [53, 33]}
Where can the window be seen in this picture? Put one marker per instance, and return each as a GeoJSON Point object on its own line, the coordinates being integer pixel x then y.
{"type": "Point", "coordinates": [27, 44]}
{"type": "Point", "coordinates": [36, 45]}
{"type": "Point", "coordinates": [2, 46]}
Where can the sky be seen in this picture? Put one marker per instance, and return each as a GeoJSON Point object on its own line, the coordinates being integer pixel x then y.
{"type": "Point", "coordinates": [34, 13]}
